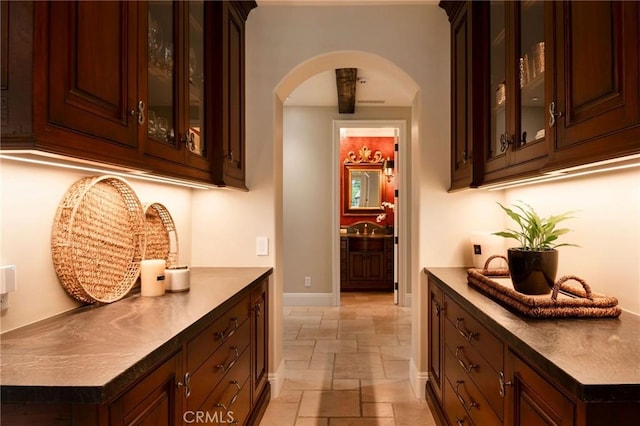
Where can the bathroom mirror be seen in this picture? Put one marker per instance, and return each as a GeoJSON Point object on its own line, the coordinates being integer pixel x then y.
{"type": "Point", "coordinates": [362, 186]}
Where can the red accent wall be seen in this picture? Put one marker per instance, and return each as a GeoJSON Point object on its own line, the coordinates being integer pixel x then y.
{"type": "Point", "coordinates": [382, 144]}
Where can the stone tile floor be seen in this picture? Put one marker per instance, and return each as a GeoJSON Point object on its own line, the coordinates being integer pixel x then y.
{"type": "Point", "coordinates": [348, 366]}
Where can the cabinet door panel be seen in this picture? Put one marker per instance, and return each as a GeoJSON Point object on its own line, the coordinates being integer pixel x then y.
{"type": "Point", "coordinates": [260, 318]}
{"type": "Point", "coordinates": [153, 401]}
{"type": "Point", "coordinates": [532, 400]}
{"type": "Point", "coordinates": [436, 342]}
{"type": "Point", "coordinates": [598, 93]}
{"type": "Point", "coordinates": [91, 78]}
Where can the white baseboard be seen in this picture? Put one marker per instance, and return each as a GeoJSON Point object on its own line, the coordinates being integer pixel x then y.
{"type": "Point", "coordinates": [407, 300]}
{"type": "Point", "coordinates": [418, 379]}
{"type": "Point", "coordinates": [308, 299]}
{"type": "Point", "coordinates": [276, 380]}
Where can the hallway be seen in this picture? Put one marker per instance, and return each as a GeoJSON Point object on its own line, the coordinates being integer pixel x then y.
{"type": "Point", "coordinates": [348, 366]}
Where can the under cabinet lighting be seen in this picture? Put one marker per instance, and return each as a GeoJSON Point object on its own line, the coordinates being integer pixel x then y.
{"type": "Point", "coordinates": [622, 163]}
{"type": "Point", "coordinates": [33, 157]}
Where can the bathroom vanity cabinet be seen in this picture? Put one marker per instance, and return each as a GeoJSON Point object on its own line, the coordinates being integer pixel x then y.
{"type": "Point", "coordinates": [366, 262]}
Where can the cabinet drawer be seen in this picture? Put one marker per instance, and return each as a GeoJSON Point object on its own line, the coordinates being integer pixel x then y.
{"type": "Point", "coordinates": [485, 377]}
{"type": "Point", "coordinates": [453, 408]}
{"type": "Point", "coordinates": [232, 396]}
{"type": "Point", "coordinates": [207, 376]}
{"type": "Point", "coordinates": [203, 345]}
{"type": "Point", "coordinates": [366, 244]}
{"type": "Point", "coordinates": [467, 393]}
{"type": "Point", "coordinates": [475, 334]}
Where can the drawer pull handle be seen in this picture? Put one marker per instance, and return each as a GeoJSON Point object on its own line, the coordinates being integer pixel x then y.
{"type": "Point", "coordinates": [466, 367]}
{"type": "Point", "coordinates": [460, 422]}
{"type": "Point", "coordinates": [186, 384]}
{"type": "Point", "coordinates": [228, 367]}
{"type": "Point", "coordinates": [233, 399]}
{"type": "Point", "coordinates": [224, 335]}
{"type": "Point", "coordinates": [464, 333]}
{"type": "Point", "coordinates": [257, 308]}
{"type": "Point", "coordinates": [461, 399]}
{"type": "Point", "coordinates": [503, 384]}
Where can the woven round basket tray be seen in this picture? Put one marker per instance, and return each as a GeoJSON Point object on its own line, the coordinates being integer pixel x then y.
{"type": "Point", "coordinates": [162, 237]}
{"type": "Point", "coordinates": [98, 239]}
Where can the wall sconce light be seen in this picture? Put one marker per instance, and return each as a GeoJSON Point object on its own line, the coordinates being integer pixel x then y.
{"type": "Point", "coordinates": [388, 169]}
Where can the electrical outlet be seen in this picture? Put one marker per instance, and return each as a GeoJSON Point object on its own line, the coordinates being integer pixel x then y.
{"type": "Point", "coordinates": [307, 281]}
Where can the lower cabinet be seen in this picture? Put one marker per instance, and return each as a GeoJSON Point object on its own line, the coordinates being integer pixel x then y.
{"type": "Point", "coordinates": [366, 263]}
{"type": "Point", "coordinates": [153, 401]}
{"type": "Point", "coordinates": [477, 378]}
{"type": "Point", "coordinates": [532, 400]}
{"type": "Point", "coordinates": [218, 375]}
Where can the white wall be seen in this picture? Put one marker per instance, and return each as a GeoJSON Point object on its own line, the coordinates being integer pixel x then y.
{"type": "Point", "coordinates": [606, 227]}
{"type": "Point", "coordinates": [30, 197]}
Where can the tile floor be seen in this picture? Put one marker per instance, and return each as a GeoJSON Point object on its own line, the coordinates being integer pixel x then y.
{"type": "Point", "coordinates": [348, 366]}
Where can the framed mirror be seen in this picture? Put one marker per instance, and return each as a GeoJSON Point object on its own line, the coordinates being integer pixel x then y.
{"type": "Point", "coordinates": [362, 189]}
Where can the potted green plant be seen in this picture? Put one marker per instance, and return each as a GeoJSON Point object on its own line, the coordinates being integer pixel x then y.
{"type": "Point", "coordinates": [534, 263]}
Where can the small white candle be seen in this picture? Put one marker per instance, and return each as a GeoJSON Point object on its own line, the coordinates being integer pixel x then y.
{"type": "Point", "coordinates": [152, 277]}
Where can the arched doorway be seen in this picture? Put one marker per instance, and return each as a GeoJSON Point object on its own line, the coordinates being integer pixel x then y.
{"type": "Point", "coordinates": [283, 89]}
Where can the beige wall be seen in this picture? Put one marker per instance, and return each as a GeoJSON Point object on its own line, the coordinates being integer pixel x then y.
{"type": "Point", "coordinates": [30, 198]}
{"type": "Point", "coordinates": [606, 227]}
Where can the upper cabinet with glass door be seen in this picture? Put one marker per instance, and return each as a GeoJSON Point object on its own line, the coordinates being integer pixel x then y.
{"type": "Point", "coordinates": [516, 46]}
{"type": "Point", "coordinates": [536, 98]}
{"type": "Point", "coordinates": [152, 85]}
{"type": "Point", "coordinates": [175, 81]}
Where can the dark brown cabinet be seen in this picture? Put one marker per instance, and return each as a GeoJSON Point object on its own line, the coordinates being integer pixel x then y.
{"type": "Point", "coordinates": [153, 401]}
{"type": "Point", "coordinates": [532, 400]}
{"type": "Point", "coordinates": [435, 338]}
{"type": "Point", "coordinates": [480, 373]}
{"type": "Point", "coordinates": [368, 263]}
{"type": "Point", "coordinates": [598, 96]}
{"type": "Point", "coordinates": [534, 99]}
{"type": "Point", "coordinates": [228, 93]}
{"type": "Point", "coordinates": [259, 346]}
{"type": "Point", "coordinates": [155, 86]}
{"type": "Point", "coordinates": [217, 370]}
{"type": "Point", "coordinates": [467, 97]}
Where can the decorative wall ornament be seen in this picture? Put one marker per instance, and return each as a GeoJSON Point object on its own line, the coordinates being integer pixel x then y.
{"type": "Point", "coordinates": [364, 156]}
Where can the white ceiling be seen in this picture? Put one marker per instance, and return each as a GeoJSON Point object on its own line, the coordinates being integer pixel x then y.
{"type": "Point", "coordinates": [377, 88]}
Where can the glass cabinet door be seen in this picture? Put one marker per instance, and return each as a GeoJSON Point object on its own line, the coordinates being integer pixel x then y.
{"type": "Point", "coordinates": [161, 72]}
{"type": "Point", "coordinates": [498, 79]}
{"type": "Point", "coordinates": [195, 88]}
{"type": "Point", "coordinates": [531, 111]}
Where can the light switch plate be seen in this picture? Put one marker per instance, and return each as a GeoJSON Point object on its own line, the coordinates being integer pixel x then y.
{"type": "Point", "coordinates": [262, 246]}
{"type": "Point", "coordinates": [7, 279]}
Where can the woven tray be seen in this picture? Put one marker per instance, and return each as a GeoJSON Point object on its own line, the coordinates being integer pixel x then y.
{"type": "Point", "coordinates": [565, 301]}
{"type": "Point", "coordinates": [161, 234]}
{"type": "Point", "coordinates": [98, 239]}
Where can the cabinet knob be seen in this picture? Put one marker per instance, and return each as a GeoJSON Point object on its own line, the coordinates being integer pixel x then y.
{"type": "Point", "coordinates": [138, 112]}
{"type": "Point", "coordinates": [553, 114]}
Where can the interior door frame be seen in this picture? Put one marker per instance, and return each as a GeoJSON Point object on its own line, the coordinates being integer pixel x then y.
{"type": "Point", "coordinates": [402, 203]}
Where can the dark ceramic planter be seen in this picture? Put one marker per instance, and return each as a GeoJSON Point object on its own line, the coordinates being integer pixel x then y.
{"type": "Point", "coordinates": [533, 272]}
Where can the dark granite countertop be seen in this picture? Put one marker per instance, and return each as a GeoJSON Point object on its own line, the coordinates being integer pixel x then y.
{"type": "Point", "coordinates": [598, 359]}
{"type": "Point", "coordinates": [92, 353]}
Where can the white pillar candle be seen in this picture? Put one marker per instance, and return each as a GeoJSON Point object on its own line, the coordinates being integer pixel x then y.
{"type": "Point", "coordinates": [152, 277]}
